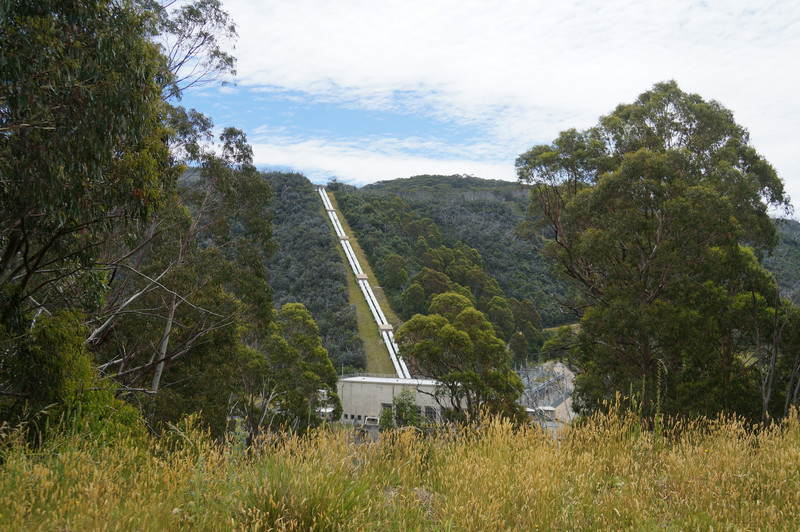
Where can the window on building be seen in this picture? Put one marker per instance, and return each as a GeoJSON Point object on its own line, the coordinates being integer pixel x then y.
{"type": "Point", "coordinates": [430, 413]}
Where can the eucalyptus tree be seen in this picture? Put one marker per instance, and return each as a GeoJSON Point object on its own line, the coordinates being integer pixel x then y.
{"type": "Point", "coordinates": [194, 38]}
{"type": "Point", "coordinates": [81, 147]}
{"type": "Point", "coordinates": [82, 158]}
{"type": "Point", "coordinates": [304, 378]}
{"type": "Point", "coordinates": [209, 237]}
{"type": "Point", "coordinates": [84, 119]}
{"type": "Point", "coordinates": [95, 218]}
{"type": "Point", "coordinates": [458, 347]}
{"type": "Point", "coordinates": [201, 275]}
{"type": "Point", "coordinates": [653, 213]}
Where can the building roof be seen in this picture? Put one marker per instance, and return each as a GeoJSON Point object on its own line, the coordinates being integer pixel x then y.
{"type": "Point", "coordinates": [367, 379]}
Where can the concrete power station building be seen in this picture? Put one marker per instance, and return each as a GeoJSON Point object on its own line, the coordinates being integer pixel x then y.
{"type": "Point", "coordinates": [364, 397]}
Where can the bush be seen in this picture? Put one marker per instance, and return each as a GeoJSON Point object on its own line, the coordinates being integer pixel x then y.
{"type": "Point", "coordinates": [55, 384]}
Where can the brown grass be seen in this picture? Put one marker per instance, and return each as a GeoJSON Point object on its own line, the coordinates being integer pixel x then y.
{"type": "Point", "coordinates": [606, 474]}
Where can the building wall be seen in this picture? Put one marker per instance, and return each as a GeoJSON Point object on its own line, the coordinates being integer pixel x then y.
{"type": "Point", "coordinates": [364, 397]}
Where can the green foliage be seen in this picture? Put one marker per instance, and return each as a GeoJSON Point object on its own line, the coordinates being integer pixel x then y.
{"type": "Point", "coordinates": [413, 300]}
{"type": "Point", "coordinates": [73, 165]}
{"type": "Point", "coordinates": [402, 414]}
{"type": "Point", "coordinates": [302, 373]}
{"type": "Point", "coordinates": [500, 315]}
{"type": "Point", "coordinates": [518, 345]}
{"type": "Point", "coordinates": [465, 356]}
{"type": "Point", "coordinates": [185, 333]}
{"type": "Point", "coordinates": [100, 218]}
{"type": "Point", "coordinates": [50, 381]}
{"type": "Point", "coordinates": [396, 275]}
{"type": "Point", "coordinates": [54, 367]}
{"type": "Point", "coordinates": [405, 244]}
{"type": "Point", "coordinates": [309, 270]}
{"type": "Point", "coordinates": [492, 218]}
{"type": "Point", "coordinates": [784, 260]}
{"type": "Point", "coordinates": [561, 343]}
{"type": "Point", "coordinates": [449, 305]}
{"type": "Point", "coordinates": [647, 214]}
{"type": "Point", "coordinates": [90, 156]}
{"type": "Point", "coordinates": [206, 381]}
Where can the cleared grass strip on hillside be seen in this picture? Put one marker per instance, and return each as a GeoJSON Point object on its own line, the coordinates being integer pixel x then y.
{"type": "Point", "coordinates": [391, 317]}
{"type": "Point", "coordinates": [363, 282]}
{"type": "Point", "coordinates": [385, 328]}
{"type": "Point", "coordinates": [378, 360]}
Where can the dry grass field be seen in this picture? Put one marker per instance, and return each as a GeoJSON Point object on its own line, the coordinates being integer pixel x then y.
{"type": "Point", "coordinates": [604, 474]}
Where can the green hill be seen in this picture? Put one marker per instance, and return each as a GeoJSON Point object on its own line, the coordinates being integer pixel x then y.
{"type": "Point", "coordinates": [784, 262]}
{"type": "Point", "coordinates": [307, 268]}
{"type": "Point", "coordinates": [486, 215]}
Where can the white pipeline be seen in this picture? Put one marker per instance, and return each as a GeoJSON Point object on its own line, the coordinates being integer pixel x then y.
{"type": "Point", "coordinates": [375, 299]}
{"type": "Point", "coordinates": [400, 359]}
{"type": "Point", "coordinates": [348, 247]}
{"type": "Point", "coordinates": [388, 336]}
{"type": "Point", "coordinates": [369, 302]}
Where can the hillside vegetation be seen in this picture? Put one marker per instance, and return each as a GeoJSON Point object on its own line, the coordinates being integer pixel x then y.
{"type": "Point", "coordinates": [784, 262]}
{"type": "Point", "coordinates": [489, 216]}
{"type": "Point", "coordinates": [308, 268]}
{"type": "Point", "coordinates": [493, 217]}
{"type": "Point", "coordinates": [415, 263]}
{"type": "Point", "coordinates": [377, 356]}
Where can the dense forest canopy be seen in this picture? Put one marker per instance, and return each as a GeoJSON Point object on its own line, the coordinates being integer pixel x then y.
{"type": "Point", "coordinates": [784, 261]}
{"type": "Point", "coordinates": [414, 262]}
{"type": "Point", "coordinates": [307, 268]}
{"type": "Point", "coordinates": [466, 350]}
{"type": "Point", "coordinates": [123, 276]}
{"type": "Point", "coordinates": [659, 216]}
{"type": "Point", "coordinates": [492, 217]}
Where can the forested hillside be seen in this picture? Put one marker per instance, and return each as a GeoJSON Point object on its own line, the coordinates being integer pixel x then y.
{"type": "Point", "coordinates": [418, 229]}
{"type": "Point", "coordinates": [493, 217]}
{"type": "Point", "coordinates": [486, 215]}
{"type": "Point", "coordinates": [784, 262]}
{"type": "Point", "coordinates": [307, 268]}
{"type": "Point", "coordinates": [462, 329]}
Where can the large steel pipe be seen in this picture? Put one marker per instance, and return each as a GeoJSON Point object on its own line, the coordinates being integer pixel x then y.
{"type": "Point", "coordinates": [380, 318]}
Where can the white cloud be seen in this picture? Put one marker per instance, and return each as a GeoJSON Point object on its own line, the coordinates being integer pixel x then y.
{"type": "Point", "coordinates": [320, 159]}
{"type": "Point", "coordinates": [526, 70]}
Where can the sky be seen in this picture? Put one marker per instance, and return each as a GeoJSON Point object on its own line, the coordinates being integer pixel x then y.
{"type": "Point", "coordinates": [379, 89]}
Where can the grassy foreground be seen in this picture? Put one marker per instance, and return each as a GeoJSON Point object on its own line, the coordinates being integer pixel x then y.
{"type": "Point", "coordinates": [606, 474]}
